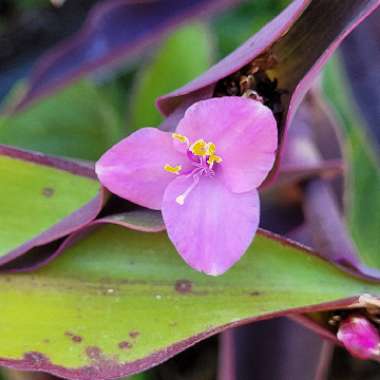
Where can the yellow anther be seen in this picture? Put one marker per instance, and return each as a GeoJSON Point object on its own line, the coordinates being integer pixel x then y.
{"type": "Point", "coordinates": [210, 149]}
{"type": "Point", "coordinates": [214, 158]}
{"type": "Point", "coordinates": [181, 138]}
{"type": "Point", "coordinates": [199, 148]}
{"type": "Point", "coordinates": [173, 169]}
{"type": "Point", "coordinates": [203, 149]}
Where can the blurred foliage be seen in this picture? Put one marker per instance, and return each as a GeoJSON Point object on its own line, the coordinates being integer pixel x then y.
{"type": "Point", "coordinates": [76, 122]}
{"type": "Point", "coordinates": [235, 26]}
{"type": "Point", "coordinates": [116, 89]}
{"type": "Point", "coordinates": [27, 5]}
{"type": "Point", "coordinates": [181, 57]}
{"type": "Point", "coordinates": [86, 118]}
{"type": "Point", "coordinates": [36, 4]}
{"type": "Point", "coordinates": [362, 203]}
{"type": "Point", "coordinates": [30, 4]}
{"type": "Point", "coordinates": [140, 376]}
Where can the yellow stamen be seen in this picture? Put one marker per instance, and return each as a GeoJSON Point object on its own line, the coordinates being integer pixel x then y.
{"type": "Point", "coordinates": [203, 149]}
{"type": "Point", "coordinates": [210, 149]}
{"type": "Point", "coordinates": [173, 169]}
{"type": "Point", "coordinates": [181, 138]}
{"type": "Point", "coordinates": [199, 148]}
{"type": "Point", "coordinates": [214, 158]}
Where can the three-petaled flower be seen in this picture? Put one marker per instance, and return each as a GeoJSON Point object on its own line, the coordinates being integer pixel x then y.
{"type": "Point", "coordinates": [204, 177]}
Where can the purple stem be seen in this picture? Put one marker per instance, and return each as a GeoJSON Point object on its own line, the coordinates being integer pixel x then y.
{"type": "Point", "coordinates": [275, 349]}
{"type": "Point", "coordinates": [227, 356]}
{"type": "Point", "coordinates": [325, 359]}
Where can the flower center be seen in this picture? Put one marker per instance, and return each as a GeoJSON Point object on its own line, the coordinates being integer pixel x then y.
{"type": "Point", "coordinates": [206, 151]}
{"type": "Point", "coordinates": [201, 154]}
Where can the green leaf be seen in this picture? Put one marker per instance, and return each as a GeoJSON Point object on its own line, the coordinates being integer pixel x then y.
{"type": "Point", "coordinates": [121, 301]}
{"type": "Point", "coordinates": [363, 177]}
{"type": "Point", "coordinates": [34, 197]}
{"type": "Point", "coordinates": [184, 55]}
{"type": "Point", "coordinates": [76, 122]}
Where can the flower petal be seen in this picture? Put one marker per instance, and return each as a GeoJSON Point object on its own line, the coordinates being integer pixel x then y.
{"type": "Point", "coordinates": [214, 227]}
{"type": "Point", "coordinates": [244, 132]}
{"type": "Point", "coordinates": [134, 168]}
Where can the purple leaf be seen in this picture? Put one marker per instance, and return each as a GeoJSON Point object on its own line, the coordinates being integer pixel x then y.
{"type": "Point", "coordinates": [312, 150]}
{"type": "Point", "coordinates": [143, 220]}
{"type": "Point", "coordinates": [329, 232]}
{"type": "Point", "coordinates": [115, 30]}
{"type": "Point", "coordinates": [313, 147]}
{"type": "Point", "coordinates": [315, 138]}
{"type": "Point", "coordinates": [283, 58]}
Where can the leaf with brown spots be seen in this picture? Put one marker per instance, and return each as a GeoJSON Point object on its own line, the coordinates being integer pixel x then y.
{"type": "Point", "coordinates": [145, 319]}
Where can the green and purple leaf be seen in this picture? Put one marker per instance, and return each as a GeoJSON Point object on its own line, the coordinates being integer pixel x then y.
{"type": "Point", "coordinates": [312, 139]}
{"type": "Point", "coordinates": [120, 301]}
{"type": "Point", "coordinates": [362, 207]}
{"type": "Point", "coordinates": [43, 199]}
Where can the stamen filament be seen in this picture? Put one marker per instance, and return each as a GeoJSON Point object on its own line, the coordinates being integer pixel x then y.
{"type": "Point", "coordinates": [201, 155]}
{"type": "Point", "coordinates": [182, 197]}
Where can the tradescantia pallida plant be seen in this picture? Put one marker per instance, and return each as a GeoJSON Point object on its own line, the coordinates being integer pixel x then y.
{"type": "Point", "coordinates": [92, 286]}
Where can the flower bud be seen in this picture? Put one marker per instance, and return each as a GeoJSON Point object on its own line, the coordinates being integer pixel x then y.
{"type": "Point", "coordinates": [359, 336]}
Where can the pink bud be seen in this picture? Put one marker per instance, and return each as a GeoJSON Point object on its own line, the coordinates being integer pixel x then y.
{"type": "Point", "coordinates": [359, 336]}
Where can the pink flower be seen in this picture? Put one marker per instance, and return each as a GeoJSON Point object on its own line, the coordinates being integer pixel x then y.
{"type": "Point", "coordinates": [204, 177]}
{"type": "Point", "coordinates": [359, 336]}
